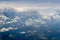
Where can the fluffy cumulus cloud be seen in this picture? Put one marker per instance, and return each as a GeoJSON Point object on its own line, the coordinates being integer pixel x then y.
{"type": "Point", "coordinates": [22, 32]}
{"type": "Point", "coordinates": [3, 19]}
{"type": "Point", "coordinates": [30, 17]}
{"type": "Point", "coordinates": [46, 13]}
{"type": "Point", "coordinates": [34, 22]}
{"type": "Point", "coordinates": [13, 20]}
{"type": "Point", "coordinates": [7, 29]}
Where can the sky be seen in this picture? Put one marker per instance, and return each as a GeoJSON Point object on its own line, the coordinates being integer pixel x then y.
{"type": "Point", "coordinates": [21, 5]}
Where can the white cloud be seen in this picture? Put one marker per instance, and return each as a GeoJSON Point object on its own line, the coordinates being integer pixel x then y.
{"type": "Point", "coordinates": [17, 17]}
{"type": "Point", "coordinates": [13, 20]}
{"type": "Point", "coordinates": [43, 22]}
{"type": "Point", "coordinates": [7, 29]}
{"type": "Point", "coordinates": [9, 22]}
{"type": "Point", "coordinates": [48, 13]}
{"type": "Point", "coordinates": [34, 22]}
{"type": "Point", "coordinates": [29, 22]}
{"type": "Point", "coordinates": [3, 19]}
{"type": "Point", "coordinates": [10, 35]}
{"type": "Point", "coordinates": [22, 32]}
